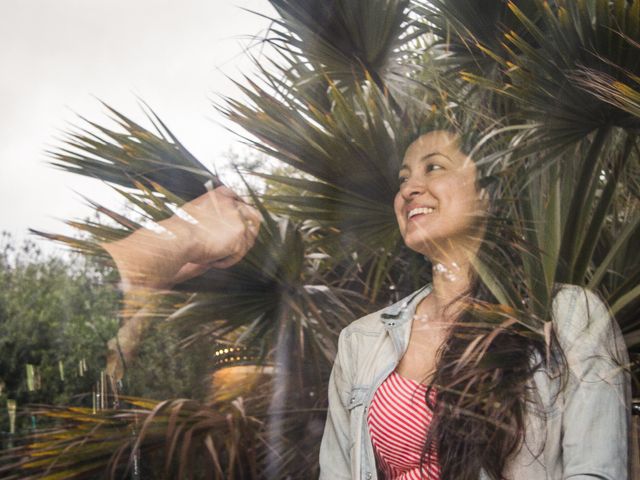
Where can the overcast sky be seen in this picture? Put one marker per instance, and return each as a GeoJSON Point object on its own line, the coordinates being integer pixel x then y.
{"type": "Point", "coordinates": [57, 57]}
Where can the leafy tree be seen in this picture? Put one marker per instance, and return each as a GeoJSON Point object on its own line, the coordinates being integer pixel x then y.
{"type": "Point", "coordinates": [55, 314]}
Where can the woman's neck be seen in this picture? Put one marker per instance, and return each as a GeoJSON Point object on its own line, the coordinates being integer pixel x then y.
{"type": "Point", "coordinates": [451, 274]}
{"type": "Point", "coordinates": [450, 282]}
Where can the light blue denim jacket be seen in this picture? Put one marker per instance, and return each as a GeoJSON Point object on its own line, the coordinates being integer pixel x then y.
{"type": "Point", "coordinates": [579, 433]}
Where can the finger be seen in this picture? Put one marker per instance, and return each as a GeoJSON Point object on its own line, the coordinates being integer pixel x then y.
{"type": "Point", "coordinates": [244, 216]}
{"type": "Point", "coordinates": [244, 242]}
{"type": "Point", "coordinates": [227, 262]}
{"type": "Point", "coordinates": [251, 217]}
{"type": "Point", "coordinates": [218, 200]}
{"type": "Point", "coordinates": [250, 235]}
{"type": "Point", "coordinates": [254, 214]}
{"type": "Point", "coordinates": [227, 192]}
{"type": "Point", "coordinates": [189, 271]}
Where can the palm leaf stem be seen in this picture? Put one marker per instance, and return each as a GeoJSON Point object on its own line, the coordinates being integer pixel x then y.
{"type": "Point", "coordinates": [590, 238]}
{"type": "Point", "coordinates": [621, 239]}
{"type": "Point", "coordinates": [533, 263]}
{"type": "Point", "coordinates": [578, 208]}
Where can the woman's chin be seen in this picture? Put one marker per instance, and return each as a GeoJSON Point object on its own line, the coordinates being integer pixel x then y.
{"type": "Point", "coordinates": [420, 245]}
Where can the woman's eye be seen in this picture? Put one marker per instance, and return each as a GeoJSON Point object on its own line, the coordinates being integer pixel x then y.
{"type": "Point", "coordinates": [433, 166]}
{"type": "Point", "coordinates": [401, 180]}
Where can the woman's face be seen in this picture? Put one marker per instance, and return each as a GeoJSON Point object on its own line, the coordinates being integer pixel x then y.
{"type": "Point", "coordinates": [437, 204]}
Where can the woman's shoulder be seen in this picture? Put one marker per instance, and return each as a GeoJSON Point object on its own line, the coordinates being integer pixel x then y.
{"type": "Point", "coordinates": [582, 320]}
{"type": "Point", "coordinates": [368, 325]}
{"type": "Point", "coordinates": [575, 308]}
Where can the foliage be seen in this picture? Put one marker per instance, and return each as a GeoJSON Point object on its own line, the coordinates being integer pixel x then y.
{"type": "Point", "coordinates": [55, 313]}
{"type": "Point", "coordinates": [164, 369]}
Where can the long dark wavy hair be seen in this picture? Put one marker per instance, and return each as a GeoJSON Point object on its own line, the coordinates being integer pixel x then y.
{"type": "Point", "coordinates": [484, 368]}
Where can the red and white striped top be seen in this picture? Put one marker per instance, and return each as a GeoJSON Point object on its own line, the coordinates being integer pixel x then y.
{"type": "Point", "coordinates": [398, 420]}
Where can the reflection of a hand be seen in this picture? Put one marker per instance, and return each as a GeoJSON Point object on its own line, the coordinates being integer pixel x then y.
{"type": "Point", "coordinates": [214, 230]}
{"type": "Point", "coordinates": [222, 228]}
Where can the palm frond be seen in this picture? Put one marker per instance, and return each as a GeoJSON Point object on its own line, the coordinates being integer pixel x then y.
{"type": "Point", "coordinates": [471, 33]}
{"type": "Point", "coordinates": [349, 41]}
{"type": "Point", "coordinates": [134, 155]}
{"type": "Point", "coordinates": [620, 94]}
{"type": "Point", "coordinates": [351, 151]}
{"type": "Point", "coordinates": [569, 37]}
{"type": "Point", "coordinates": [182, 438]}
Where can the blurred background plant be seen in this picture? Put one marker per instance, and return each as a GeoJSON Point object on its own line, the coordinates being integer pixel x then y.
{"type": "Point", "coordinates": [546, 96]}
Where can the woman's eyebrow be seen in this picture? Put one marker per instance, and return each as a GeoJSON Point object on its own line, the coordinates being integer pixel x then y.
{"type": "Point", "coordinates": [404, 166]}
{"type": "Point", "coordinates": [433, 154]}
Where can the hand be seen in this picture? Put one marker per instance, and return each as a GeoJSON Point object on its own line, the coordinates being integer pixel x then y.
{"type": "Point", "coordinates": [220, 228]}
{"type": "Point", "coordinates": [214, 230]}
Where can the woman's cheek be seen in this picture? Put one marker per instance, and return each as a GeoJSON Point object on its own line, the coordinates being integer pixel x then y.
{"type": "Point", "coordinates": [397, 208]}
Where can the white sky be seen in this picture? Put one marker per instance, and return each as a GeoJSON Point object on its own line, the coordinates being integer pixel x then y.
{"type": "Point", "coordinates": [57, 57]}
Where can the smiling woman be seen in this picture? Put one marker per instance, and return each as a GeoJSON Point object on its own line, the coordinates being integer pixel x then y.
{"type": "Point", "coordinates": [438, 205]}
{"type": "Point", "coordinates": [451, 384]}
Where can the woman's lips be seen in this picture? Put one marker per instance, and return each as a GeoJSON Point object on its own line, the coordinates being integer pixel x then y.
{"type": "Point", "coordinates": [419, 211]}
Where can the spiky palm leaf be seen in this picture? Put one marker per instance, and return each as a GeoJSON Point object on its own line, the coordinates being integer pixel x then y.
{"type": "Point", "coordinates": [586, 219]}
{"type": "Point", "coordinates": [469, 32]}
{"type": "Point", "coordinates": [275, 302]}
{"type": "Point", "coordinates": [623, 95]}
{"type": "Point", "coordinates": [561, 40]}
{"type": "Point", "coordinates": [346, 41]}
{"type": "Point", "coordinates": [165, 439]}
{"type": "Point", "coordinates": [351, 150]}
{"type": "Point", "coordinates": [134, 155]}
{"type": "Point", "coordinates": [557, 59]}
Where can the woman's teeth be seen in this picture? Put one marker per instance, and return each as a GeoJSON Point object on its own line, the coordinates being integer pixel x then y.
{"type": "Point", "coordinates": [418, 211]}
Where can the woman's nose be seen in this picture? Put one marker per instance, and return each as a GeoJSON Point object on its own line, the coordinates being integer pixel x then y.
{"type": "Point", "coordinates": [412, 188]}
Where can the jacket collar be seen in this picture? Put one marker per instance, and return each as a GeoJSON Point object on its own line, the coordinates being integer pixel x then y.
{"type": "Point", "coordinates": [398, 313]}
{"type": "Point", "coordinates": [397, 319]}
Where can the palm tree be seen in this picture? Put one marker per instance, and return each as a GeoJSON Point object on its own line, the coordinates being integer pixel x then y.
{"type": "Point", "coordinates": [549, 94]}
